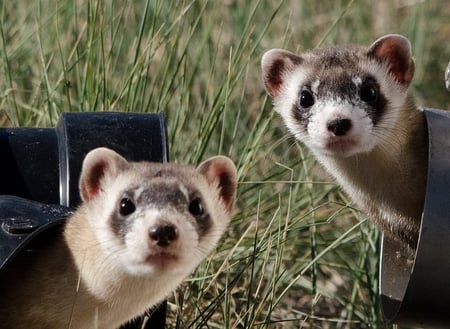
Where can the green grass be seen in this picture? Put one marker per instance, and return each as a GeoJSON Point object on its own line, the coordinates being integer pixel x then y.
{"type": "Point", "coordinates": [297, 255]}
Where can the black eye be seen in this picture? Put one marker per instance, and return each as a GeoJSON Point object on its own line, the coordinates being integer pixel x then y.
{"type": "Point", "coordinates": [126, 207]}
{"type": "Point", "coordinates": [196, 207]}
{"type": "Point", "coordinates": [306, 99]}
{"type": "Point", "coordinates": [368, 93]}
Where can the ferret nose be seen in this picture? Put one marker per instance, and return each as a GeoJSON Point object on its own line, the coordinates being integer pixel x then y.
{"type": "Point", "coordinates": [339, 127]}
{"type": "Point", "coordinates": [163, 235]}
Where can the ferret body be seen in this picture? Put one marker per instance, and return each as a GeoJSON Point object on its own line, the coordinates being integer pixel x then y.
{"type": "Point", "coordinates": [350, 106]}
{"type": "Point", "coordinates": [142, 228]}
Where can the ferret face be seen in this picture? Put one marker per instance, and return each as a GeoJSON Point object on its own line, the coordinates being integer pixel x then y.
{"type": "Point", "coordinates": [340, 101]}
{"type": "Point", "coordinates": [158, 218]}
{"type": "Point", "coordinates": [158, 224]}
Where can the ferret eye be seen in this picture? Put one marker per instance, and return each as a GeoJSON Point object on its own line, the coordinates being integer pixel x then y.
{"type": "Point", "coordinates": [368, 93]}
{"type": "Point", "coordinates": [306, 99]}
{"type": "Point", "coordinates": [126, 207]}
{"type": "Point", "coordinates": [196, 207]}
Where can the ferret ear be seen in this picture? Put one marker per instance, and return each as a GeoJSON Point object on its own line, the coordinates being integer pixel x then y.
{"type": "Point", "coordinates": [395, 51]}
{"type": "Point", "coordinates": [221, 171]}
{"type": "Point", "coordinates": [275, 64]}
{"type": "Point", "coordinates": [98, 165]}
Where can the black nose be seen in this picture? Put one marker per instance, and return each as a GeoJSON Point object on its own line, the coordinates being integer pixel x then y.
{"type": "Point", "coordinates": [163, 235]}
{"type": "Point", "coordinates": [339, 127]}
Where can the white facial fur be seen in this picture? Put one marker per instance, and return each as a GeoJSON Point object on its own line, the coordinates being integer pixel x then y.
{"type": "Point", "coordinates": [142, 257]}
{"type": "Point", "coordinates": [358, 140]}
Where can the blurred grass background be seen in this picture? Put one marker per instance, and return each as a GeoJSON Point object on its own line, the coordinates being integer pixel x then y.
{"type": "Point", "coordinates": [297, 255]}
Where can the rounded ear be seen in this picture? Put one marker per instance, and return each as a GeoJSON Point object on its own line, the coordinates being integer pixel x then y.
{"type": "Point", "coordinates": [395, 51]}
{"type": "Point", "coordinates": [220, 170]}
{"type": "Point", "coordinates": [97, 165]}
{"type": "Point", "coordinates": [275, 64]}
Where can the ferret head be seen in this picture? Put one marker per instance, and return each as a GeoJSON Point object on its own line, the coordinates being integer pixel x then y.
{"type": "Point", "coordinates": [341, 101]}
{"type": "Point", "coordinates": [153, 217]}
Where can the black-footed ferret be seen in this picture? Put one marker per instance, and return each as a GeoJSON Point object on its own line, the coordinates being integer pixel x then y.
{"type": "Point", "coordinates": [142, 228]}
{"type": "Point", "coordinates": [350, 106]}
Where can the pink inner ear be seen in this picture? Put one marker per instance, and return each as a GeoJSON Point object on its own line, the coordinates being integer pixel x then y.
{"type": "Point", "coordinates": [227, 188]}
{"type": "Point", "coordinates": [397, 54]}
{"type": "Point", "coordinates": [222, 172]}
{"type": "Point", "coordinates": [274, 77]}
{"type": "Point", "coordinates": [92, 183]}
{"type": "Point", "coordinates": [276, 64]}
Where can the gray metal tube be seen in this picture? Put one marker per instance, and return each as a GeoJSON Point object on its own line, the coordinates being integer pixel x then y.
{"type": "Point", "coordinates": [417, 292]}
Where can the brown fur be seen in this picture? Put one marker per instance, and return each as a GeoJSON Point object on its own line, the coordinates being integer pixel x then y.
{"type": "Point", "coordinates": [390, 181]}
